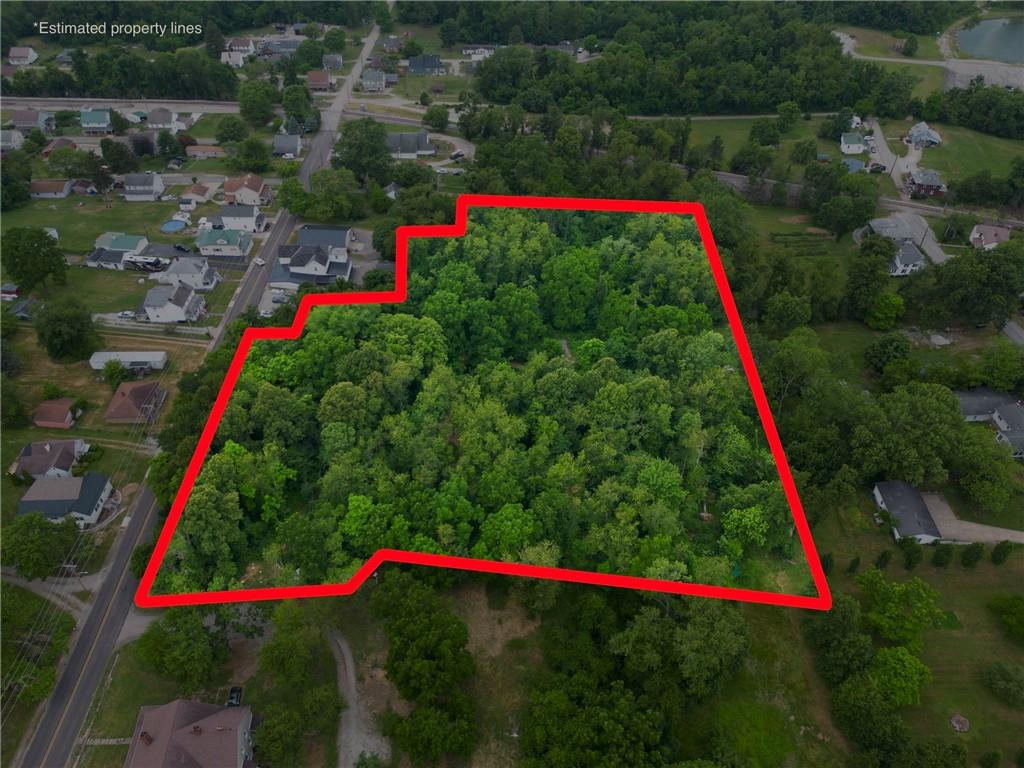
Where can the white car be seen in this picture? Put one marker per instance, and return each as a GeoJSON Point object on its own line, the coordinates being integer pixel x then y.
{"type": "Point", "coordinates": [126, 314]}
{"type": "Point", "coordinates": [259, 262]}
{"type": "Point", "coordinates": [288, 156]}
{"type": "Point", "coordinates": [441, 171]}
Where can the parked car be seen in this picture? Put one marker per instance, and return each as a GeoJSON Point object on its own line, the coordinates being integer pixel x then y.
{"type": "Point", "coordinates": [235, 697]}
{"type": "Point", "coordinates": [126, 314]}
{"type": "Point", "coordinates": [441, 171]}
{"type": "Point", "coordinates": [457, 154]}
{"type": "Point", "coordinates": [182, 248]}
{"type": "Point", "coordinates": [259, 262]}
{"type": "Point", "coordinates": [874, 150]}
{"type": "Point", "coordinates": [288, 156]}
{"type": "Point", "coordinates": [876, 168]}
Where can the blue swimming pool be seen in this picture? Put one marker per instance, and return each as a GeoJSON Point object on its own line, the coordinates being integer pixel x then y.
{"type": "Point", "coordinates": [172, 226]}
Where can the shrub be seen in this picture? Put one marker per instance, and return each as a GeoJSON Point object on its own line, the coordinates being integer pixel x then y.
{"type": "Point", "coordinates": [912, 553]}
{"type": "Point", "coordinates": [883, 559]}
{"type": "Point", "coordinates": [854, 565]}
{"type": "Point", "coordinates": [1006, 681]}
{"type": "Point", "coordinates": [52, 390]}
{"type": "Point", "coordinates": [826, 563]}
{"type": "Point", "coordinates": [1009, 609]}
{"type": "Point", "coordinates": [971, 555]}
{"type": "Point", "coordinates": [1001, 551]}
{"type": "Point", "coordinates": [943, 555]}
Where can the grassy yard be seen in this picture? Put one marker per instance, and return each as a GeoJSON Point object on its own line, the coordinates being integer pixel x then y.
{"type": "Point", "coordinates": [955, 655]}
{"type": "Point", "coordinates": [794, 229]}
{"type": "Point", "coordinates": [874, 42]}
{"type": "Point", "coordinates": [428, 37]}
{"type": "Point", "coordinates": [964, 152]}
{"type": "Point", "coordinates": [411, 86]}
{"type": "Point", "coordinates": [80, 219]}
{"type": "Point", "coordinates": [133, 684]}
{"type": "Point", "coordinates": [965, 509]}
{"type": "Point", "coordinates": [104, 756]}
{"type": "Point", "coordinates": [101, 290]}
{"type": "Point", "coordinates": [931, 78]}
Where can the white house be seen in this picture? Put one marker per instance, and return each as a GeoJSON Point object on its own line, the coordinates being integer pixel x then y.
{"type": "Point", "coordinates": [11, 140]}
{"type": "Point", "coordinates": [908, 259]}
{"type": "Point", "coordinates": [81, 498]}
{"type": "Point", "coordinates": [143, 187]}
{"type": "Point", "coordinates": [248, 190]}
{"type": "Point", "coordinates": [1009, 421]}
{"type": "Point", "coordinates": [223, 242]}
{"type": "Point", "coordinates": [49, 458]}
{"type": "Point", "coordinates": [988, 236]}
{"type": "Point", "coordinates": [132, 245]}
{"type": "Point", "coordinates": [49, 189]}
{"type": "Point", "coordinates": [234, 59]}
{"type": "Point", "coordinates": [136, 362]}
{"type": "Point", "coordinates": [22, 56]}
{"type": "Point", "coordinates": [245, 218]}
{"type": "Point", "coordinates": [95, 122]}
{"type": "Point", "coordinates": [196, 193]}
{"type": "Point", "coordinates": [193, 271]}
{"type": "Point", "coordinates": [910, 516]}
{"type": "Point", "coordinates": [320, 256]}
{"type": "Point", "coordinates": [173, 304]}
{"type": "Point", "coordinates": [851, 144]}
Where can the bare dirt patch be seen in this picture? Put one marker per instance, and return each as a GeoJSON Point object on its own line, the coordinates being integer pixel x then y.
{"type": "Point", "coordinates": [799, 218]}
{"type": "Point", "coordinates": [817, 231]}
{"type": "Point", "coordinates": [245, 659]}
{"type": "Point", "coordinates": [379, 693]}
{"type": "Point", "coordinates": [490, 629]}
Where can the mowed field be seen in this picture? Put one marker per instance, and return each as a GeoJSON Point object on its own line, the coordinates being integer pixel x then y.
{"type": "Point", "coordinates": [874, 42]}
{"type": "Point", "coordinates": [956, 654]}
{"type": "Point", "coordinates": [930, 78]}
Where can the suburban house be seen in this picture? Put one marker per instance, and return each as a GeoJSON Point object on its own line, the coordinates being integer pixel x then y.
{"type": "Point", "coordinates": [143, 187]}
{"type": "Point", "coordinates": [1009, 421]}
{"type": "Point", "coordinates": [49, 458]}
{"type": "Point", "coordinates": [65, 58]}
{"type": "Point", "coordinates": [852, 144]}
{"type": "Point", "coordinates": [56, 414]}
{"type": "Point", "coordinates": [988, 236]}
{"type": "Point", "coordinates": [319, 256]}
{"type": "Point", "coordinates": [245, 218]}
{"type": "Point", "coordinates": [22, 55]}
{"type": "Point", "coordinates": [234, 59]}
{"type": "Point", "coordinates": [248, 190]}
{"type": "Point", "coordinates": [193, 734]}
{"type": "Point", "coordinates": [921, 135]}
{"type": "Point", "coordinates": [479, 52]}
{"type": "Point", "coordinates": [205, 150]}
{"type": "Point", "coordinates": [426, 64]}
{"type": "Point", "coordinates": [56, 498]}
{"type": "Point", "coordinates": [910, 516]}
{"type": "Point", "coordinates": [223, 242]}
{"type": "Point", "coordinates": [26, 120]}
{"type": "Point", "coordinates": [924, 181]}
{"type": "Point", "coordinates": [160, 119]}
{"type": "Point", "coordinates": [243, 45]}
{"type": "Point", "coordinates": [196, 193]}
{"type": "Point", "coordinates": [279, 48]}
{"type": "Point", "coordinates": [173, 304]}
{"type": "Point", "coordinates": [136, 362]}
{"type": "Point", "coordinates": [853, 165]}
{"type": "Point", "coordinates": [11, 140]}
{"type": "Point", "coordinates": [287, 145]}
{"type": "Point", "coordinates": [58, 143]}
{"type": "Point", "coordinates": [373, 80]}
{"type": "Point", "coordinates": [193, 271]}
{"type": "Point", "coordinates": [332, 61]}
{"type": "Point", "coordinates": [392, 44]}
{"type": "Point", "coordinates": [908, 259]}
{"type": "Point", "coordinates": [409, 146]}
{"type": "Point", "coordinates": [893, 228]}
{"type": "Point", "coordinates": [95, 122]}
{"type": "Point", "coordinates": [320, 80]}
{"type": "Point", "coordinates": [133, 245]}
{"type": "Point", "coordinates": [46, 189]}
{"type": "Point", "coordinates": [136, 402]}
{"type": "Point", "coordinates": [116, 250]}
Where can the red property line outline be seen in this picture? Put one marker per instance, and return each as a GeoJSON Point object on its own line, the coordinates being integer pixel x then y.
{"type": "Point", "coordinates": [823, 600]}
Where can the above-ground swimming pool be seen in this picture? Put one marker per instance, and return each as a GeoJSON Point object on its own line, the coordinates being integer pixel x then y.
{"type": "Point", "coordinates": [172, 226]}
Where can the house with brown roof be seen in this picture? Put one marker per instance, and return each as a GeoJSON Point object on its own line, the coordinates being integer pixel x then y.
{"type": "Point", "coordinates": [58, 143]}
{"type": "Point", "coordinates": [320, 80]}
{"type": "Point", "coordinates": [988, 236]}
{"type": "Point", "coordinates": [247, 190]}
{"type": "Point", "coordinates": [48, 458]}
{"type": "Point", "coordinates": [22, 56]}
{"type": "Point", "coordinates": [44, 189]}
{"type": "Point", "coordinates": [205, 150]}
{"type": "Point", "coordinates": [56, 414]}
{"type": "Point", "coordinates": [192, 734]}
{"type": "Point", "coordinates": [26, 120]}
{"type": "Point", "coordinates": [136, 402]}
{"type": "Point", "coordinates": [195, 194]}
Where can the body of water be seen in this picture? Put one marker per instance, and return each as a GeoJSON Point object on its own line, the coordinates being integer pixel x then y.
{"type": "Point", "coordinates": [999, 39]}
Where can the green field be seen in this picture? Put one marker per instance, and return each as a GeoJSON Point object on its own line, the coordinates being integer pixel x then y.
{"type": "Point", "coordinates": [411, 86]}
{"type": "Point", "coordinates": [428, 37]}
{"type": "Point", "coordinates": [874, 42]}
{"type": "Point", "coordinates": [956, 655]}
{"type": "Point", "coordinates": [964, 152]}
{"type": "Point", "coordinates": [104, 756]}
{"type": "Point", "coordinates": [931, 78]}
{"type": "Point", "coordinates": [80, 219]}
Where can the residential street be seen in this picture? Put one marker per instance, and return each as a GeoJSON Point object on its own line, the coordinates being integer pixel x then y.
{"type": "Point", "coordinates": [62, 714]}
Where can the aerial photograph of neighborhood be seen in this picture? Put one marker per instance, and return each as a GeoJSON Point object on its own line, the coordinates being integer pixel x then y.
{"type": "Point", "coordinates": [479, 384]}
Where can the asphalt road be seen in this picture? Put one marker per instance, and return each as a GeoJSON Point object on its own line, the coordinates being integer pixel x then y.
{"type": "Point", "coordinates": [56, 104]}
{"type": "Point", "coordinates": [64, 712]}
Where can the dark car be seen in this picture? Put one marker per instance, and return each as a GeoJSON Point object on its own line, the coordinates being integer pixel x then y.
{"type": "Point", "coordinates": [182, 248]}
{"type": "Point", "coordinates": [235, 697]}
{"type": "Point", "coordinates": [876, 168]}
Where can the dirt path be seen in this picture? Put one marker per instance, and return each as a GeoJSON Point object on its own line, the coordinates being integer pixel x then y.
{"type": "Point", "coordinates": [566, 351]}
{"type": "Point", "coordinates": [357, 731]}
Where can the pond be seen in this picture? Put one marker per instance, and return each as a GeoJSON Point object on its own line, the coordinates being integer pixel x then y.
{"type": "Point", "coordinates": [999, 39]}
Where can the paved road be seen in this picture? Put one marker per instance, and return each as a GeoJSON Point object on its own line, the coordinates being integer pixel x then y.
{"type": "Point", "coordinates": [64, 712]}
{"type": "Point", "coordinates": [954, 529]}
{"type": "Point", "coordinates": [55, 104]}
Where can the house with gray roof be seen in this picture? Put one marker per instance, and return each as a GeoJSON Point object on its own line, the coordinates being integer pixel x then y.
{"type": "Point", "coordinates": [143, 187]}
{"type": "Point", "coordinates": [908, 259]}
{"type": "Point", "coordinates": [924, 181]}
{"type": "Point", "coordinates": [137, 362]}
{"type": "Point", "coordinates": [279, 48]}
{"type": "Point", "coordinates": [981, 403]}
{"type": "Point", "coordinates": [409, 146]}
{"type": "Point", "coordinates": [426, 64]}
{"type": "Point", "coordinates": [122, 242]}
{"type": "Point", "coordinates": [373, 80]}
{"type": "Point", "coordinates": [911, 518]}
{"type": "Point", "coordinates": [287, 145]}
{"type": "Point", "coordinates": [49, 458]}
{"type": "Point", "coordinates": [193, 271]}
{"type": "Point", "coordinates": [892, 228]}
{"type": "Point", "coordinates": [921, 135]}
{"type": "Point", "coordinates": [1009, 421]}
{"type": "Point", "coordinates": [173, 304]}
{"type": "Point", "coordinates": [81, 498]}
{"type": "Point", "coordinates": [332, 61]}
{"type": "Point", "coordinates": [26, 120]}
{"type": "Point", "coordinates": [319, 256]}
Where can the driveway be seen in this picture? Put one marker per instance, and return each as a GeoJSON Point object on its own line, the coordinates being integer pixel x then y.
{"type": "Point", "coordinates": [357, 731]}
{"type": "Point", "coordinates": [923, 236]}
{"type": "Point", "coordinates": [1014, 332]}
{"type": "Point", "coordinates": [954, 529]}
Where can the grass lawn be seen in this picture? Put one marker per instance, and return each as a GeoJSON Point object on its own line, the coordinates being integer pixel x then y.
{"type": "Point", "coordinates": [101, 290]}
{"type": "Point", "coordinates": [794, 229]}
{"type": "Point", "coordinates": [874, 42]}
{"type": "Point", "coordinates": [734, 135]}
{"type": "Point", "coordinates": [965, 509]}
{"type": "Point", "coordinates": [956, 655]}
{"type": "Point", "coordinates": [428, 37]}
{"type": "Point", "coordinates": [80, 219]}
{"type": "Point", "coordinates": [104, 756]}
{"type": "Point", "coordinates": [411, 86]}
{"type": "Point", "coordinates": [931, 78]}
{"type": "Point", "coordinates": [964, 152]}
{"type": "Point", "coordinates": [133, 684]}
